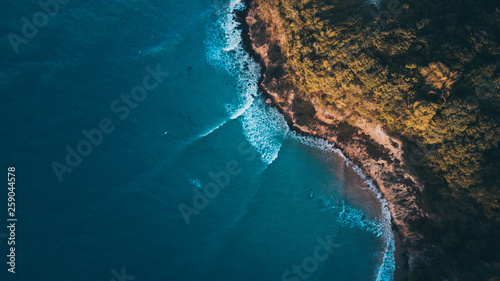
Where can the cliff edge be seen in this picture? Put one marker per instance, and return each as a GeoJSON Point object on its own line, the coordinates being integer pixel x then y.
{"type": "Point", "coordinates": [379, 155]}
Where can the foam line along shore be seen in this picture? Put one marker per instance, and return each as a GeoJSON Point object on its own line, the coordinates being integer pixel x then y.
{"type": "Point", "coordinates": [379, 158]}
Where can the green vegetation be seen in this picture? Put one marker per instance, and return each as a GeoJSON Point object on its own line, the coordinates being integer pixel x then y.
{"type": "Point", "coordinates": [429, 71]}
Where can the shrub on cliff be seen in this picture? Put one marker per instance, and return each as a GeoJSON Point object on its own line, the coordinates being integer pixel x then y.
{"type": "Point", "coordinates": [381, 64]}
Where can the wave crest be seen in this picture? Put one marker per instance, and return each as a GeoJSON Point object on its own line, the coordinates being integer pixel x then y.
{"type": "Point", "coordinates": [351, 217]}
{"type": "Point", "coordinates": [263, 127]}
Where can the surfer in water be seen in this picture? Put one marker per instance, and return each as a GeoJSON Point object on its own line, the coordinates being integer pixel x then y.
{"type": "Point", "coordinates": [311, 193]}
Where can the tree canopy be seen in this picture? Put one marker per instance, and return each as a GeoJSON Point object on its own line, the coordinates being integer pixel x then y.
{"type": "Point", "coordinates": [429, 71]}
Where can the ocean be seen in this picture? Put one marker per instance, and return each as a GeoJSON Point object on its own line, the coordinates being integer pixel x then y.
{"type": "Point", "coordinates": [144, 151]}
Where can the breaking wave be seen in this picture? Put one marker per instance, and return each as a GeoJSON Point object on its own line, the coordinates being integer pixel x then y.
{"type": "Point", "coordinates": [266, 129]}
{"type": "Point", "coordinates": [354, 218]}
{"type": "Point", "coordinates": [263, 127]}
{"type": "Point", "coordinates": [351, 217]}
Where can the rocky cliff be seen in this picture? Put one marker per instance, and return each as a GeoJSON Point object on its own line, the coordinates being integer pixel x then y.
{"type": "Point", "coordinates": [379, 155]}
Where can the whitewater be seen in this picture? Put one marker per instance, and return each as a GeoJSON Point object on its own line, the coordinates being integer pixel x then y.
{"type": "Point", "coordinates": [266, 129]}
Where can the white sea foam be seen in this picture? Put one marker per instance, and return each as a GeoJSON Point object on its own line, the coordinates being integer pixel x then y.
{"type": "Point", "coordinates": [354, 218]}
{"type": "Point", "coordinates": [313, 142]}
{"type": "Point", "coordinates": [225, 51]}
{"type": "Point", "coordinates": [264, 127]}
{"type": "Point", "coordinates": [386, 269]}
{"type": "Point", "coordinates": [237, 111]}
{"type": "Point", "coordinates": [351, 217]}
{"type": "Point", "coordinates": [212, 130]}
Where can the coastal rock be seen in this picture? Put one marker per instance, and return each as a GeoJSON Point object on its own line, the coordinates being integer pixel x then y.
{"type": "Point", "coordinates": [379, 155]}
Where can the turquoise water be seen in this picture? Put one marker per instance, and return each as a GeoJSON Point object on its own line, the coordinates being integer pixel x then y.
{"type": "Point", "coordinates": [195, 179]}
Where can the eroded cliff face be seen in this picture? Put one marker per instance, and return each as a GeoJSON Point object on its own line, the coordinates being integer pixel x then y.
{"type": "Point", "coordinates": [364, 142]}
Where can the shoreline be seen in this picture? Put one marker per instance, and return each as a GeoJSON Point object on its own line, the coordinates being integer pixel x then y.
{"type": "Point", "coordinates": [405, 254]}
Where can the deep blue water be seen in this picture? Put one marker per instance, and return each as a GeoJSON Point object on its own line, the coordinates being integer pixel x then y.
{"type": "Point", "coordinates": [200, 128]}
